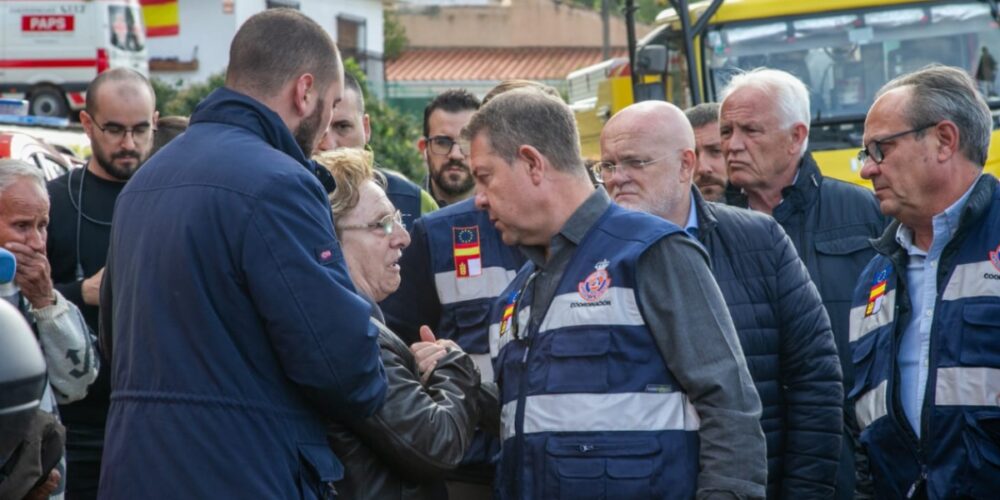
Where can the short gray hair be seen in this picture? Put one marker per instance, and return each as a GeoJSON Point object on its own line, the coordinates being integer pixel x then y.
{"type": "Point", "coordinates": [948, 93]}
{"type": "Point", "coordinates": [703, 114]}
{"type": "Point", "coordinates": [791, 97]}
{"type": "Point", "coordinates": [12, 171]}
{"type": "Point", "coordinates": [530, 116]}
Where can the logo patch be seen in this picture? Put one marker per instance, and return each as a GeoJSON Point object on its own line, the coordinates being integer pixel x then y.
{"type": "Point", "coordinates": [466, 251]}
{"type": "Point", "coordinates": [995, 258]}
{"type": "Point", "coordinates": [508, 314]}
{"type": "Point", "coordinates": [596, 284]}
{"type": "Point", "coordinates": [877, 293]}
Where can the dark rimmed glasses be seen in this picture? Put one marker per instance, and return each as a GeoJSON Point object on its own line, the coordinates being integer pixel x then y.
{"type": "Point", "coordinates": [874, 148]}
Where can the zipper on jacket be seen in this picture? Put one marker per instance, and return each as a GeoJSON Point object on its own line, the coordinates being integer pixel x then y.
{"type": "Point", "coordinates": [918, 484]}
{"type": "Point", "coordinates": [519, 420]}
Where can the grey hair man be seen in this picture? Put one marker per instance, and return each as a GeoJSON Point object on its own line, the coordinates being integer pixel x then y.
{"type": "Point", "coordinates": [926, 313]}
{"type": "Point", "coordinates": [764, 126]}
{"type": "Point", "coordinates": [61, 330]}
{"type": "Point", "coordinates": [648, 156]}
{"type": "Point", "coordinates": [228, 290]}
{"type": "Point", "coordinates": [601, 292]}
{"type": "Point", "coordinates": [710, 171]}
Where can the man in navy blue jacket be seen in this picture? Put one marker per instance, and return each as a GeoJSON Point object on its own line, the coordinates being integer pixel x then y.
{"type": "Point", "coordinates": [779, 316]}
{"type": "Point", "coordinates": [236, 330]}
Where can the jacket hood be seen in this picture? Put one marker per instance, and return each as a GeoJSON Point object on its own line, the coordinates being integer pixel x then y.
{"type": "Point", "coordinates": [227, 106]}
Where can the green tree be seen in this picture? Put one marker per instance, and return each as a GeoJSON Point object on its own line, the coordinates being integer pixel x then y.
{"type": "Point", "coordinates": [393, 34]}
{"type": "Point", "coordinates": [394, 133]}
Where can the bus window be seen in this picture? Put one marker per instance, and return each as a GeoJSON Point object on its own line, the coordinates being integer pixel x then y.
{"type": "Point", "coordinates": [844, 58]}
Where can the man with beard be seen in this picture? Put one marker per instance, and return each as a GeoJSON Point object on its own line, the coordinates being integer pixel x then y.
{"type": "Point", "coordinates": [119, 119]}
{"type": "Point", "coordinates": [448, 177]}
{"type": "Point", "coordinates": [236, 331]}
{"type": "Point", "coordinates": [710, 170]}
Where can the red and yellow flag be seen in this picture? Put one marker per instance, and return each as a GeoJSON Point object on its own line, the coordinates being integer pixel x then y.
{"type": "Point", "coordinates": [162, 17]}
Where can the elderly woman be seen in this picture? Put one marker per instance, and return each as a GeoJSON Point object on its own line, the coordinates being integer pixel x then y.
{"type": "Point", "coordinates": [424, 428]}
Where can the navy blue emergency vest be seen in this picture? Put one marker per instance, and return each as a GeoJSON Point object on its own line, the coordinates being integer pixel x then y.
{"type": "Point", "coordinates": [958, 452]}
{"type": "Point", "coordinates": [589, 408]}
{"type": "Point", "coordinates": [404, 195]}
{"type": "Point", "coordinates": [471, 267]}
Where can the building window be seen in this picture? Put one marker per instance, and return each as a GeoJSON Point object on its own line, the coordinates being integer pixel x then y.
{"type": "Point", "coordinates": [351, 38]}
{"type": "Point", "coordinates": [288, 4]}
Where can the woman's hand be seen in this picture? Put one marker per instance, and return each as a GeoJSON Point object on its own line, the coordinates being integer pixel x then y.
{"type": "Point", "coordinates": [429, 350]}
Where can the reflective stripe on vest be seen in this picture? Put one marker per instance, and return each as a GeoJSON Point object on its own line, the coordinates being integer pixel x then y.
{"type": "Point", "coordinates": [488, 285]}
{"type": "Point", "coordinates": [871, 406]}
{"type": "Point", "coordinates": [860, 325]}
{"type": "Point", "coordinates": [617, 307]}
{"type": "Point", "coordinates": [967, 386]}
{"type": "Point", "coordinates": [628, 411]}
{"type": "Point", "coordinates": [976, 279]}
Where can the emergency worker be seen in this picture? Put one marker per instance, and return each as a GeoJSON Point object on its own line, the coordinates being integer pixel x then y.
{"type": "Point", "coordinates": [925, 322]}
{"type": "Point", "coordinates": [604, 376]}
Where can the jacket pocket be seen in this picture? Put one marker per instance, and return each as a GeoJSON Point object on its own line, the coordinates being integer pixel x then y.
{"type": "Point", "coordinates": [579, 362]}
{"type": "Point", "coordinates": [319, 470]}
{"type": "Point", "coordinates": [591, 467]}
{"type": "Point", "coordinates": [843, 258]}
{"type": "Point", "coordinates": [981, 439]}
{"type": "Point", "coordinates": [863, 359]}
{"type": "Point", "coordinates": [980, 335]}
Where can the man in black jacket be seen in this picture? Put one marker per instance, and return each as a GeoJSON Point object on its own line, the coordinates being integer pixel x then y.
{"type": "Point", "coordinates": [764, 125]}
{"type": "Point", "coordinates": [648, 162]}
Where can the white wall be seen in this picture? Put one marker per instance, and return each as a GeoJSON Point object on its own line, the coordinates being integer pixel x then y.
{"type": "Point", "coordinates": [203, 24]}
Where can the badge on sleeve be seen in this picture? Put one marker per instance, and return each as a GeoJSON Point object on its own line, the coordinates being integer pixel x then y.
{"type": "Point", "coordinates": [877, 293]}
{"type": "Point", "coordinates": [508, 314]}
{"type": "Point", "coordinates": [995, 258]}
{"type": "Point", "coordinates": [465, 248]}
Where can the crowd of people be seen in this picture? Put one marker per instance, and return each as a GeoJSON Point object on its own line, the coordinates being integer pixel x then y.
{"type": "Point", "coordinates": [263, 310]}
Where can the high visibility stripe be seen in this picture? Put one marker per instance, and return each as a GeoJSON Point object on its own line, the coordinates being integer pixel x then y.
{"type": "Point", "coordinates": [871, 406]}
{"type": "Point", "coordinates": [485, 365]}
{"type": "Point", "coordinates": [629, 411]}
{"type": "Point", "coordinates": [616, 307]}
{"type": "Point", "coordinates": [977, 279]}
{"type": "Point", "coordinates": [861, 325]}
{"type": "Point", "coordinates": [489, 284]}
{"type": "Point", "coordinates": [497, 342]}
{"type": "Point", "coordinates": [967, 386]}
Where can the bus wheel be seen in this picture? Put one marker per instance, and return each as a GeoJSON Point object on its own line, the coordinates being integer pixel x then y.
{"type": "Point", "coordinates": [48, 101]}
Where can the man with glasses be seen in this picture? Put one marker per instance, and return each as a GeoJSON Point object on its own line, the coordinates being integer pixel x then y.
{"type": "Point", "coordinates": [764, 126]}
{"type": "Point", "coordinates": [614, 381]}
{"type": "Point", "coordinates": [119, 119]}
{"type": "Point", "coordinates": [448, 177]}
{"type": "Point", "coordinates": [925, 323]}
{"type": "Point", "coordinates": [648, 164]}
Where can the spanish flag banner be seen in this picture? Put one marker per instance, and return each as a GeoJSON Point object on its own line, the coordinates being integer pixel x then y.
{"type": "Point", "coordinates": [162, 17]}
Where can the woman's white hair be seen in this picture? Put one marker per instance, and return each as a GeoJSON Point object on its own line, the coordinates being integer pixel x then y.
{"type": "Point", "coordinates": [12, 171]}
{"type": "Point", "coordinates": [791, 97]}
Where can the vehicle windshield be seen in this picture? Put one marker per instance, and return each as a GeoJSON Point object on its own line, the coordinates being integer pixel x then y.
{"type": "Point", "coordinates": [844, 58]}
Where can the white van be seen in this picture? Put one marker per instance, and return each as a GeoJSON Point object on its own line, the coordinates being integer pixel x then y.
{"type": "Point", "coordinates": [51, 50]}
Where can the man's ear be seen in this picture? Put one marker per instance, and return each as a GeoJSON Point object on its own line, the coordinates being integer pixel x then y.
{"type": "Point", "coordinates": [87, 122]}
{"type": "Point", "coordinates": [421, 143]}
{"type": "Point", "coordinates": [536, 162]}
{"type": "Point", "coordinates": [689, 162]}
{"type": "Point", "coordinates": [366, 124]}
{"type": "Point", "coordinates": [800, 132]}
{"type": "Point", "coordinates": [948, 137]}
{"type": "Point", "coordinates": [303, 100]}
